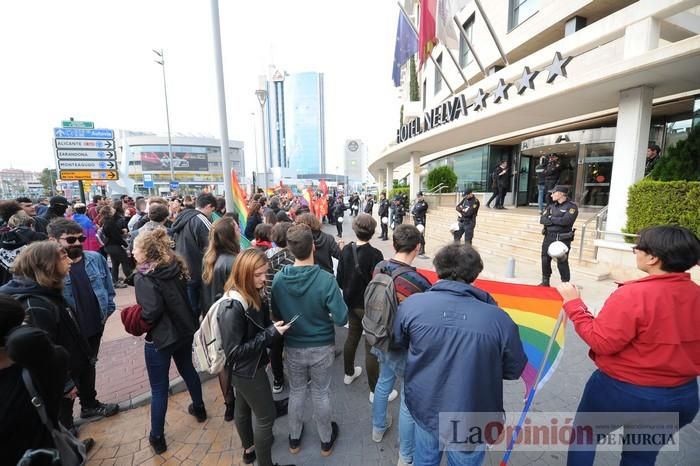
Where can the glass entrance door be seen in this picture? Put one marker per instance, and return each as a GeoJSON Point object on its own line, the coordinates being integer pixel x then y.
{"type": "Point", "coordinates": [525, 183]}
{"type": "Point", "coordinates": [593, 177]}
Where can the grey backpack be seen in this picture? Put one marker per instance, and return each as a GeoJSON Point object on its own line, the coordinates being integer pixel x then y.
{"type": "Point", "coordinates": [380, 307]}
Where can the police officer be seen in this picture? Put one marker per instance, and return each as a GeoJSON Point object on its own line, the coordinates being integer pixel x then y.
{"type": "Point", "coordinates": [399, 212]}
{"type": "Point", "coordinates": [369, 204]}
{"type": "Point", "coordinates": [468, 208]}
{"type": "Point", "coordinates": [551, 174]}
{"type": "Point", "coordinates": [383, 212]}
{"type": "Point", "coordinates": [419, 212]}
{"type": "Point", "coordinates": [558, 220]}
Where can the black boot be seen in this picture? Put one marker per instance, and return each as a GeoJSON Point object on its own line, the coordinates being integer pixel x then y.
{"type": "Point", "coordinates": [545, 281]}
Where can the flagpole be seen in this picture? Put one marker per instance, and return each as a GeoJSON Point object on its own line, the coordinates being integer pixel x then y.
{"type": "Point", "coordinates": [463, 33]}
{"type": "Point", "coordinates": [531, 395]}
{"type": "Point", "coordinates": [415, 31]}
{"type": "Point", "coordinates": [493, 33]}
{"type": "Point", "coordinates": [459, 68]}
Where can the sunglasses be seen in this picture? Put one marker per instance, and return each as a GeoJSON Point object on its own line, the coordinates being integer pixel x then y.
{"type": "Point", "coordinates": [73, 239]}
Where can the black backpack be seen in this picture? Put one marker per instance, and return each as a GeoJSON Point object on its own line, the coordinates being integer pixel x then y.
{"type": "Point", "coordinates": [380, 307]}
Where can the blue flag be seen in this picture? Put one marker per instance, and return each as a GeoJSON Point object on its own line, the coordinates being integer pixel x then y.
{"type": "Point", "coordinates": [406, 46]}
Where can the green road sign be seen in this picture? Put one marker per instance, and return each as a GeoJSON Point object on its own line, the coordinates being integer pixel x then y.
{"type": "Point", "coordinates": [78, 124]}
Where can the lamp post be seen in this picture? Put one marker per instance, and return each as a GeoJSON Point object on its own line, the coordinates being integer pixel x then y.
{"type": "Point", "coordinates": [161, 62]}
{"type": "Point", "coordinates": [261, 94]}
{"type": "Point", "coordinates": [255, 143]}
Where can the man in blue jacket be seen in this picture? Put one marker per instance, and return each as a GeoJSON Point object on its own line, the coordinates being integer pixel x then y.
{"type": "Point", "coordinates": [461, 348]}
{"type": "Point", "coordinates": [89, 291]}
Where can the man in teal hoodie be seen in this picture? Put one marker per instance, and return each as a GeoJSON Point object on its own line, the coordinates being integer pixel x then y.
{"type": "Point", "coordinates": [310, 297]}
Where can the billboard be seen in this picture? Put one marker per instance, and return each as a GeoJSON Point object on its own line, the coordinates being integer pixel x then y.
{"type": "Point", "coordinates": [182, 161]}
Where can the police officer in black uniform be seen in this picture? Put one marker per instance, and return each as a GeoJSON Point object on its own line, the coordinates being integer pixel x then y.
{"type": "Point", "coordinates": [399, 212]}
{"type": "Point", "coordinates": [551, 175]}
{"type": "Point", "coordinates": [468, 208]}
{"type": "Point", "coordinates": [419, 212]}
{"type": "Point", "coordinates": [383, 212]}
{"type": "Point", "coordinates": [558, 220]}
{"type": "Point", "coordinates": [369, 204]}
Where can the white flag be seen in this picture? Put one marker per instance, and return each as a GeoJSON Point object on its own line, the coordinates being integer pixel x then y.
{"type": "Point", "coordinates": [445, 27]}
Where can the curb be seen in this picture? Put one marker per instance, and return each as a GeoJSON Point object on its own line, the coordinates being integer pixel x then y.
{"type": "Point", "coordinates": [177, 385]}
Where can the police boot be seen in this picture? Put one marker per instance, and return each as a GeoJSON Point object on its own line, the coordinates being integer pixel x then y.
{"type": "Point", "coordinates": [545, 281]}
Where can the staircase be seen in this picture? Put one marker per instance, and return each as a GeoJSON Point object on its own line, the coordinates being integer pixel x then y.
{"type": "Point", "coordinates": [509, 233]}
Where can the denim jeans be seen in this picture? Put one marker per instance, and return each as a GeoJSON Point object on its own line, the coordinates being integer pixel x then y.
{"type": "Point", "coordinates": [429, 452]}
{"type": "Point", "coordinates": [158, 366]}
{"type": "Point", "coordinates": [540, 196]}
{"type": "Point", "coordinates": [315, 364]}
{"type": "Point", "coordinates": [605, 394]}
{"type": "Point", "coordinates": [391, 366]}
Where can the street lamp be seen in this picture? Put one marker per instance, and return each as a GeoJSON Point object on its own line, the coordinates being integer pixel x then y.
{"type": "Point", "coordinates": [255, 143]}
{"type": "Point", "coordinates": [261, 94]}
{"type": "Point", "coordinates": [161, 62]}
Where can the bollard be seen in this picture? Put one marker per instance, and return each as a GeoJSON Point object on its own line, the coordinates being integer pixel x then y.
{"type": "Point", "coordinates": [510, 268]}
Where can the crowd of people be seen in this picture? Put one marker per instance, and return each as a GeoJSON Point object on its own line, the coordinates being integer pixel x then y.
{"type": "Point", "coordinates": [278, 303]}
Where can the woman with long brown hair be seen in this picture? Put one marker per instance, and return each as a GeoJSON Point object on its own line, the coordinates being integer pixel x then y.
{"type": "Point", "coordinates": [115, 244]}
{"type": "Point", "coordinates": [161, 290]}
{"type": "Point", "coordinates": [224, 246]}
{"type": "Point", "coordinates": [247, 332]}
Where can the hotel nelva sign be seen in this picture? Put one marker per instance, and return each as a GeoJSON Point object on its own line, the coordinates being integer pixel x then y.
{"type": "Point", "coordinates": [457, 107]}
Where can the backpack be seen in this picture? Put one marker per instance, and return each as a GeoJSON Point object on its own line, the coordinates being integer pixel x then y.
{"type": "Point", "coordinates": [208, 347]}
{"type": "Point", "coordinates": [380, 307]}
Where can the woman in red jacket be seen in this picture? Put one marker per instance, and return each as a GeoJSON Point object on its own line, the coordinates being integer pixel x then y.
{"type": "Point", "coordinates": [646, 344]}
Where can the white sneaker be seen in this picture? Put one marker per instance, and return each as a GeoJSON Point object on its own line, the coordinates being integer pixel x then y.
{"type": "Point", "coordinates": [377, 436]}
{"type": "Point", "coordinates": [351, 378]}
{"type": "Point", "coordinates": [371, 397]}
{"type": "Point", "coordinates": [392, 396]}
{"type": "Point", "coordinates": [403, 463]}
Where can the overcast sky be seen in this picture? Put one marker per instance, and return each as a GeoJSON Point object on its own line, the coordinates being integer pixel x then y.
{"type": "Point", "coordinates": [92, 60]}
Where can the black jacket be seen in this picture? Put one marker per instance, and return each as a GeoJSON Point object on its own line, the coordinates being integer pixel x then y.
{"type": "Point", "coordinates": [245, 335]}
{"type": "Point", "coordinates": [468, 209]}
{"type": "Point", "coordinates": [112, 230]}
{"type": "Point", "coordinates": [559, 218]}
{"type": "Point", "coordinates": [383, 210]}
{"type": "Point", "coordinates": [338, 209]}
{"type": "Point", "coordinates": [354, 280]}
{"type": "Point", "coordinates": [162, 295]}
{"type": "Point", "coordinates": [369, 206]}
{"type": "Point", "coordinates": [47, 309]}
{"type": "Point", "coordinates": [420, 208]}
{"type": "Point", "coordinates": [191, 234]}
{"type": "Point", "coordinates": [12, 243]}
{"type": "Point", "coordinates": [215, 288]}
{"type": "Point", "coordinates": [552, 172]}
{"type": "Point", "coordinates": [326, 249]}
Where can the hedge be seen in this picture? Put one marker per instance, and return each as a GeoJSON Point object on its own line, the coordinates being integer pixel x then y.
{"type": "Point", "coordinates": [400, 190]}
{"type": "Point", "coordinates": [662, 203]}
{"type": "Point", "coordinates": [444, 175]}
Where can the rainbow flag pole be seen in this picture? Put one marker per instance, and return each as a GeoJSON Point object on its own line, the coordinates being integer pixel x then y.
{"type": "Point", "coordinates": [240, 206]}
{"type": "Point", "coordinates": [533, 390]}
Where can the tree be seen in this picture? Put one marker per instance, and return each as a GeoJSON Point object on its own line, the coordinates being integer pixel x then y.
{"type": "Point", "coordinates": [48, 180]}
{"type": "Point", "coordinates": [444, 175]}
{"type": "Point", "coordinates": [682, 160]}
{"type": "Point", "coordinates": [413, 81]}
{"type": "Point", "coordinates": [401, 117]}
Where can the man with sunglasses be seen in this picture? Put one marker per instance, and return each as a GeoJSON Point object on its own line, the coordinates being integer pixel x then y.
{"type": "Point", "coordinates": [89, 291]}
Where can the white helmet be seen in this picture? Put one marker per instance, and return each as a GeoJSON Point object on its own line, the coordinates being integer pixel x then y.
{"type": "Point", "coordinates": [557, 250]}
{"type": "Point", "coordinates": [385, 220]}
{"type": "Point", "coordinates": [454, 227]}
{"type": "Point", "coordinates": [420, 227]}
{"type": "Point", "coordinates": [340, 219]}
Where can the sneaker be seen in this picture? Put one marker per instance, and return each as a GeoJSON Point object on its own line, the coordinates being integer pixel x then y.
{"type": "Point", "coordinates": [351, 378]}
{"type": "Point", "coordinates": [392, 396]}
{"type": "Point", "coordinates": [88, 443]}
{"type": "Point", "coordinates": [295, 444]}
{"type": "Point", "coordinates": [120, 285]}
{"type": "Point", "coordinates": [377, 435]}
{"type": "Point", "coordinates": [403, 463]}
{"type": "Point", "coordinates": [198, 412]}
{"type": "Point", "coordinates": [278, 386]}
{"type": "Point", "coordinates": [158, 444]}
{"type": "Point", "coordinates": [100, 410]}
{"type": "Point", "coordinates": [249, 458]}
{"type": "Point", "coordinates": [228, 415]}
{"type": "Point", "coordinates": [327, 447]}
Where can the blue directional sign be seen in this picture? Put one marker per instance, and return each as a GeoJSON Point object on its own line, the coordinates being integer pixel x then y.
{"type": "Point", "coordinates": [174, 184]}
{"type": "Point", "coordinates": [147, 181]}
{"type": "Point", "coordinates": [80, 133]}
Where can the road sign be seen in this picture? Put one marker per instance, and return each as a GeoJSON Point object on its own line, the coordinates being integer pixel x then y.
{"type": "Point", "coordinates": [79, 133]}
{"type": "Point", "coordinates": [147, 180]}
{"type": "Point", "coordinates": [174, 184]}
{"type": "Point", "coordinates": [77, 124]}
{"type": "Point", "coordinates": [87, 164]}
{"type": "Point", "coordinates": [86, 154]}
{"type": "Point", "coordinates": [75, 175]}
{"type": "Point", "coordinates": [84, 144]}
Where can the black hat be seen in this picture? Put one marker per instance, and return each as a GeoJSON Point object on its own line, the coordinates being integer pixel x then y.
{"type": "Point", "coordinates": [58, 200]}
{"type": "Point", "coordinates": [468, 191]}
{"type": "Point", "coordinates": [420, 193]}
{"type": "Point", "coordinates": [560, 189]}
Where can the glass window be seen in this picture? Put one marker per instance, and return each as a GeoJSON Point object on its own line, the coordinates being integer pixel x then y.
{"type": "Point", "coordinates": [471, 168]}
{"type": "Point", "coordinates": [520, 10]}
{"type": "Point", "coordinates": [438, 78]}
{"type": "Point", "coordinates": [465, 56]}
{"type": "Point", "coordinates": [676, 131]}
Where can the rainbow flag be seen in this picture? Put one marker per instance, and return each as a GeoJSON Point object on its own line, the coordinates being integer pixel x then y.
{"type": "Point", "coordinates": [240, 205]}
{"type": "Point", "coordinates": [534, 309]}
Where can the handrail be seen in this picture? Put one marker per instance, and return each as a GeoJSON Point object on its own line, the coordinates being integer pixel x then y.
{"type": "Point", "coordinates": [598, 222]}
{"type": "Point", "coordinates": [437, 188]}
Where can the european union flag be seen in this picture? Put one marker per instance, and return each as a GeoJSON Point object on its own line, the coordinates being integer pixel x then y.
{"type": "Point", "coordinates": [406, 46]}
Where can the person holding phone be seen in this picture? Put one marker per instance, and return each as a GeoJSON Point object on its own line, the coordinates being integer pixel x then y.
{"type": "Point", "coordinates": [246, 332]}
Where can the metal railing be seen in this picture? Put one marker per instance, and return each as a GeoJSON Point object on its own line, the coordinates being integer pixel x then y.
{"type": "Point", "coordinates": [600, 219]}
{"type": "Point", "coordinates": [437, 189]}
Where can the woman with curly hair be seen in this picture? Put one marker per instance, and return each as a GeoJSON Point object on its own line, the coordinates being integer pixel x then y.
{"type": "Point", "coordinates": [161, 290]}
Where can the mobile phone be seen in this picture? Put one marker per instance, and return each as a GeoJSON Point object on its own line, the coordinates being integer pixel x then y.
{"type": "Point", "coordinates": [294, 319]}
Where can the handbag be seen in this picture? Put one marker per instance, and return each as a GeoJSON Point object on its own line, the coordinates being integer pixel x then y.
{"type": "Point", "coordinates": [133, 322]}
{"type": "Point", "coordinates": [69, 450]}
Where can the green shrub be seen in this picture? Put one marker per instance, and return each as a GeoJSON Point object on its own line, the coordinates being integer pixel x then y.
{"type": "Point", "coordinates": [681, 161]}
{"type": "Point", "coordinates": [662, 203]}
{"type": "Point", "coordinates": [442, 175]}
{"type": "Point", "coordinates": [399, 190]}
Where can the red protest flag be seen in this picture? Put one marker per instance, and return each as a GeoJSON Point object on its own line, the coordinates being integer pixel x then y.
{"type": "Point", "coordinates": [426, 30]}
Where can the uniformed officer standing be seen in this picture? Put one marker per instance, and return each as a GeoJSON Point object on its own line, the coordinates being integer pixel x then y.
{"type": "Point", "coordinates": [468, 208]}
{"type": "Point", "coordinates": [558, 220]}
{"type": "Point", "coordinates": [419, 212]}
{"type": "Point", "coordinates": [369, 204]}
{"type": "Point", "coordinates": [399, 212]}
{"type": "Point", "coordinates": [383, 212]}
